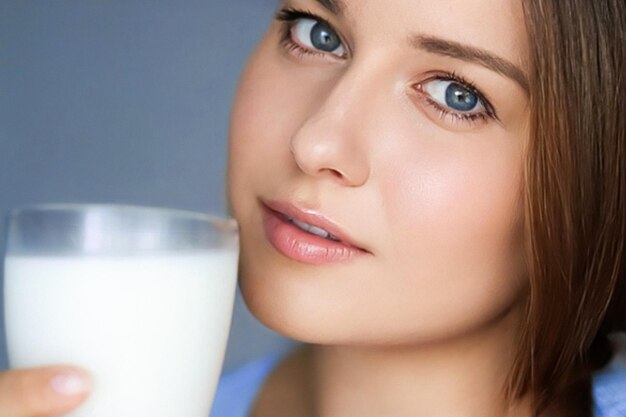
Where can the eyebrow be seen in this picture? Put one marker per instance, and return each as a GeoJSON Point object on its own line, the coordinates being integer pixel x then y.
{"type": "Point", "coordinates": [334, 6]}
{"type": "Point", "coordinates": [453, 49]}
{"type": "Point", "coordinates": [470, 54]}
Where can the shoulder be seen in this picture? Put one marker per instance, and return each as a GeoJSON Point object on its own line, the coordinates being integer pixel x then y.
{"type": "Point", "coordinates": [237, 389]}
{"type": "Point", "coordinates": [609, 389]}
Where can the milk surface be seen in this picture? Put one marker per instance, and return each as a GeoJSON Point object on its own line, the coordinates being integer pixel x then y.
{"type": "Point", "coordinates": [151, 329]}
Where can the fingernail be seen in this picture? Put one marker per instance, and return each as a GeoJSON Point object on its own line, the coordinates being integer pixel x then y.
{"type": "Point", "coordinates": [69, 383]}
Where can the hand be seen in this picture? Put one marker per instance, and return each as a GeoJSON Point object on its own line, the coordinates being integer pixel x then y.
{"type": "Point", "coordinates": [42, 392]}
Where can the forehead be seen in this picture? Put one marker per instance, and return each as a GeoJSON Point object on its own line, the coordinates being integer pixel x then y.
{"type": "Point", "coordinates": [495, 25]}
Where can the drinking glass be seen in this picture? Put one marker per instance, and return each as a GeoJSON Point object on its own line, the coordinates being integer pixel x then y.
{"type": "Point", "coordinates": [140, 297]}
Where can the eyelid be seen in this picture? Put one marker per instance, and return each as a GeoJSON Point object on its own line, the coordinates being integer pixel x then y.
{"type": "Point", "coordinates": [290, 15]}
{"type": "Point", "coordinates": [454, 77]}
{"type": "Point", "coordinates": [452, 118]}
{"type": "Point", "coordinates": [442, 113]}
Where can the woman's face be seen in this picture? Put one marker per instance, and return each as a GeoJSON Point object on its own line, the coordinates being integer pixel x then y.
{"type": "Point", "coordinates": [398, 127]}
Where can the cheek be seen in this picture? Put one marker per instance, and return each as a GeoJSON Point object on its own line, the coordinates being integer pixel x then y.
{"type": "Point", "coordinates": [272, 102]}
{"type": "Point", "coordinates": [455, 227]}
{"type": "Point", "coordinates": [257, 133]}
{"type": "Point", "coordinates": [457, 200]}
{"type": "Point", "coordinates": [256, 117]}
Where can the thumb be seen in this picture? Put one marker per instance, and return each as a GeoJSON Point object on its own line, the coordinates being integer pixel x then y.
{"type": "Point", "coordinates": [51, 390]}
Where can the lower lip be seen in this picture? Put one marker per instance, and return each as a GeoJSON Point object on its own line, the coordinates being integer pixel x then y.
{"type": "Point", "coordinates": [301, 246]}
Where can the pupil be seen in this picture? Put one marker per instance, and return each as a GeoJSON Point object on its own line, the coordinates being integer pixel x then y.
{"type": "Point", "coordinates": [324, 39]}
{"type": "Point", "coordinates": [459, 98]}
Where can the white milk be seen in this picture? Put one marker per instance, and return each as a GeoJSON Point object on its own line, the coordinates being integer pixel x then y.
{"type": "Point", "coordinates": [152, 330]}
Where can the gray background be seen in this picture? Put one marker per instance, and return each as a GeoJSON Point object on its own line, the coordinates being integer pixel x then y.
{"type": "Point", "coordinates": [124, 101]}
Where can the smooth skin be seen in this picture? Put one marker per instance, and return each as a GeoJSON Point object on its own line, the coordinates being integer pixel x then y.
{"type": "Point", "coordinates": [424, 322]}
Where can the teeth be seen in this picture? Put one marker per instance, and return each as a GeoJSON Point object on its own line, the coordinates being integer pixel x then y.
{"type": "Point", "coordinates": [313, 230]}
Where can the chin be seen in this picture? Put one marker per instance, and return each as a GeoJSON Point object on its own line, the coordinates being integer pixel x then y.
{"type": "Point", "coordinates": [275, 311]}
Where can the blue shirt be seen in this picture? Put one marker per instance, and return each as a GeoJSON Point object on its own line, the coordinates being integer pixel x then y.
{"type": "Point", "coordinates": [237, 390]}
{"type": "Point", "coordinates": [609, 389]}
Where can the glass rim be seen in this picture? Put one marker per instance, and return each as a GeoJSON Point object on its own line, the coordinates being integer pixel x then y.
{"type": "Point", "coordinates": [225, 224]}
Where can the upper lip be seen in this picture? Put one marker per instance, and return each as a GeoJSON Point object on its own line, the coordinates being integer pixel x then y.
{"type": "Point", "coordinates": [313, 218]}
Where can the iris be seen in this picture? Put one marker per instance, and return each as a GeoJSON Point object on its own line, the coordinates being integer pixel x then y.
{"type": "Point", "coordinates": [323, 38]}
{"type": "Point", "coordinates": [460, 98]}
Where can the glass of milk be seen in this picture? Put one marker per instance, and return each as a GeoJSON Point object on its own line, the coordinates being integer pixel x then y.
{"type": "Point", "coordinates": [140, 297]}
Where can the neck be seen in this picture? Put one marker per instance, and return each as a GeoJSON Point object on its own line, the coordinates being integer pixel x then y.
{"type": "Point", "coordinates": [461, 377]}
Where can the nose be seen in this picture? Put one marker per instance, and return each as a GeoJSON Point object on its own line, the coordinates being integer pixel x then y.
{"type": "Point", "coordinates": [329, 143]}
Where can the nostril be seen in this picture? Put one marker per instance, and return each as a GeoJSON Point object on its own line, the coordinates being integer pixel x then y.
{"type": "Point", "coordinates": [336, 174]}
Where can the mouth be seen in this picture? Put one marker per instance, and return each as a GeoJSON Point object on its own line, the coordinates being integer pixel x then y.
{"type": "Point", "coordinates": [306, 236]}
{"type": "Point", "coordinates": [309, 228]}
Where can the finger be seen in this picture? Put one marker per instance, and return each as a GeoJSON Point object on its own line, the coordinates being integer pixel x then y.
{"type": "Point", "coordinates": [39, 392]}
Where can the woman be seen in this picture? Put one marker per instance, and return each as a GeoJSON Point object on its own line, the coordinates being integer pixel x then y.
{"type": "Point", "coordinates": [431, 196]}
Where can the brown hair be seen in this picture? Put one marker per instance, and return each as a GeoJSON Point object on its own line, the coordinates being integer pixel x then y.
{"type": "Point", "coordinates": [575, 200]}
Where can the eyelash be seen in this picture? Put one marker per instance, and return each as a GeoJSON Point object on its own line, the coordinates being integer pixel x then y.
{"type": "Point", "coordinates": [488, 113]}
{"type": "Point", "coordinates": [288, 16]}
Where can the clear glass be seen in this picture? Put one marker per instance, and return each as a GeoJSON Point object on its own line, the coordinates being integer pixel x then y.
{"type": "Point", "coordinates": [140, 297]}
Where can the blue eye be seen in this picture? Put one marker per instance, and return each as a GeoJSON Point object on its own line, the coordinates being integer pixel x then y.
{"type": "Point", "coordinates": [317, 35]}
{"type": "Point", "coordinates": [454, 95]}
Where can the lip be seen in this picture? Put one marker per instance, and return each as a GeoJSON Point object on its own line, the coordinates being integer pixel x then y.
{"type": "Point", "coordinates": [301, 246]}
